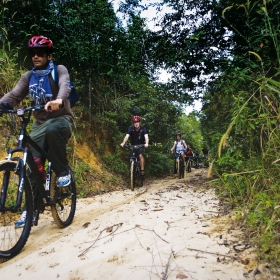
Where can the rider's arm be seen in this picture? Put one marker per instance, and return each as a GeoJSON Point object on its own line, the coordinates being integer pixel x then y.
{"type": "Point", "coordinates": [125, 139]}
{"type": "Point", "coordinates": [146, 140]}
{"type": "Point", "coordinates": [63, 89]}
{"type": "Point", "coordinates": [18, 93]}
{"type": "Point", "coordinates": [172, 149]}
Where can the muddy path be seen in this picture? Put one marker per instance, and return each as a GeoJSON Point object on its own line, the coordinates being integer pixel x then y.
{"type": "Point", "coordinates": [168, 229]}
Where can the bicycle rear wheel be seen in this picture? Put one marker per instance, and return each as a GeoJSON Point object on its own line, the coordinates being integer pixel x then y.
{"type": "Point", "coordinates": [132, 175]}
{"type": "Point", "coordinates": [63, 211]}
{"type": "Point", "coordinates": [13, 239]}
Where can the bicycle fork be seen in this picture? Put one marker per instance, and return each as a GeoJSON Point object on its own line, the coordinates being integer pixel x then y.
{"type": "Point", "coordinates": [19, 169]}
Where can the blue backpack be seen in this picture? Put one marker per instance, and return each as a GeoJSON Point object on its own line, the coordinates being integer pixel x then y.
{"type": "Point", "coordinates": [73, 96]}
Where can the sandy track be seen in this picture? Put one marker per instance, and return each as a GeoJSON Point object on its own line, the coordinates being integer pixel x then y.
{"type": "Point", "coordinates": [166, 230]}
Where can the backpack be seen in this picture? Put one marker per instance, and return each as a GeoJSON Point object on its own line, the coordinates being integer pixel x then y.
{"type": "Point", "coordinates": [182, 143]}
{"type": "Point", "coordinates": [73, 95]}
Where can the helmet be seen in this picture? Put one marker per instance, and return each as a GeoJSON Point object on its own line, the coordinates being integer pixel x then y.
{"type": "Point", "coordinates": [40, 42]}
{"type": "Point", "coordinates": [178, 133]}
{"type": "Point", "coordinates": [136, 119]}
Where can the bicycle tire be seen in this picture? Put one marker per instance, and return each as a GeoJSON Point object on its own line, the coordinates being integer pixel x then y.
{"type": "Point", "coordinates": [189, 168]}
{"type": "Point", "coordinates": [182, 168]}
{"type": "Point", "coordinates": [63, 211]}
{"type": "Point", "coordinates": [178, 168]}
{"type": "Point", "coordinates": [13, 239]}
{"type": "Point", "coordinates": [132, 178]}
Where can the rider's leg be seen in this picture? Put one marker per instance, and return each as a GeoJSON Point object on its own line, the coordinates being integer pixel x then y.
{"type": "Point", "coordinates": [52, 136]}
{"type": "Point", "coordinates": [176, 163]}
{"type": "Point", "coordinates": [142, 163]}
{"type": "Point", "coordinates": [57, 136]}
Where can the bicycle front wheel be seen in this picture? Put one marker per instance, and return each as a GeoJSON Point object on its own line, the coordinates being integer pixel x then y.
{"type": "Point", "coordinates": [132, 175]}
{"type": "Point", "coordinates": [12, 238]}
{"type": "Point", "coordinates": [63, 211]}
{"type": "Point", "coordinates": [189, 168]}
{"type": "Point", "coordinates": [181, 168]}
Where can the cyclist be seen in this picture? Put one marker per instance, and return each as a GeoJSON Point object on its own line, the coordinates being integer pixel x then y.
{"type": "Point", "coordinates": [196, 155]}
{"type": "Point", "coordinates": [52, 128]}
{"type": "Point", "coordinates": [179, 147]}
{"type": "Point", "coordinates": [139, 135]}
{"type": "Point", "coordinates": [189, 151]}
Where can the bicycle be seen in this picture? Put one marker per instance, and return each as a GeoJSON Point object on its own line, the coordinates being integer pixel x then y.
{"type": "Point", "coordinates": [191, 162]}
{"type": "Point", "coordinates": [135, 171]}
{"type": "Point", "coordinates": [203, 161]}
{"type": "Point", "coordinates": [180, 165]}
{"type": "Point", "coordinates": [17, 192]}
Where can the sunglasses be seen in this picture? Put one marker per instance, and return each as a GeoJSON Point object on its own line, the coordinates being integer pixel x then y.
{"type": "Point", "coordinates": [39, 53]}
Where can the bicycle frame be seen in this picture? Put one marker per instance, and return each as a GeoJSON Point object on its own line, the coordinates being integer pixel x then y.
{"type": "Point", "coordinates": [24, 141]}
{"type": "Point", "coordinates": [180, 168]}
{"type": "Point", "coordinates": [27, 200]}
{"type": "Point", "coordinates": [135, 167]}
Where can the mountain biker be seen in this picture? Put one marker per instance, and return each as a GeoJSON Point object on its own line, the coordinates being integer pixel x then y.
{"type": "Point", "coordinates": [139, 135]}
{"type": "Point", "coordinates": [189, 151]}
{"type": "Point", "coordinates": [196, 155]}
{"type": "Point", "coordinates": [179, 147]}
{"type": "Point", "coordinates": [52, 128]}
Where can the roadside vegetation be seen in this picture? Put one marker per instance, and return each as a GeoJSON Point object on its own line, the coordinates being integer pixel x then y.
{"type": "Point", "coordinates": [225, 53]}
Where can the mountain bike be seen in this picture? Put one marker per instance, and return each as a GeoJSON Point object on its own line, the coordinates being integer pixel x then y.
{"type": "Point", "coordinates": [136, 179]}
{"type": "Point", "coordinates": [203, 162]}
{"type": "Point", "coordinates": [22, 188]}
{"type": "Point", "coordinates": [190, 162]}
{"type": "Point", "coordinates": [180, 165]}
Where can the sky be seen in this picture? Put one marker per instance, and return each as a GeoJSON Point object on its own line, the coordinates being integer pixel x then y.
{"type": "Point", "coordinates": [149, 14]}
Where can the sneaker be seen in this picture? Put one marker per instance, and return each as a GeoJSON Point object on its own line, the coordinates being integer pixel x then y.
{"type": "Point", "coordinates": [21, 221]}
{"type": "Point", "coordinates": [142, 172]}
{"type": "Point", "coordinates": [64, 181]}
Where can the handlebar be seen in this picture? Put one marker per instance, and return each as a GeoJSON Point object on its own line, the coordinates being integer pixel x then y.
{"type": "Point", "coordinates": [134, 146]}
{"type": "Point", "coordinates": [22, 111]}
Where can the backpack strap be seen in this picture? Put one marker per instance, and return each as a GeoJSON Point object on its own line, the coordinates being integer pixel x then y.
{"type": "Point", "coordinates": [54, 74]}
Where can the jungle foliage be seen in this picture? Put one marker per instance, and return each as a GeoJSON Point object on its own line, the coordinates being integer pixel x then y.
{"type": "Point", "coordinates": [225, 52]}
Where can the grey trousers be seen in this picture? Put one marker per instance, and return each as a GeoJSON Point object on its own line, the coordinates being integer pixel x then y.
{"type": "Point", "coordinates": [52, 136]}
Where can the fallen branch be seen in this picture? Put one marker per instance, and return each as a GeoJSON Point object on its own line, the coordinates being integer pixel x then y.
{"type": "Point", "coordinates": [202, 251]}
{"type": "Point", "coordinates": [86, 250]}
{"type": "Point", "coordinates": [111, 233]}
{"type": "Point", "coordinates": [166, 267]}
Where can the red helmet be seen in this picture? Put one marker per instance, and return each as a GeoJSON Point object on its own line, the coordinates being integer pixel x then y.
{"type": "Point", "coordinates": [40, 42]}
{"type": "Point", "coordinates": [136, 119]}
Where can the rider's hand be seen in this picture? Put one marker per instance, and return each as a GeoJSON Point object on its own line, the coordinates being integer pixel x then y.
{"type": "Point", "coordinates": [54, 105]}
{"type": "Point", "coordinates": [122, 144]}
{"type": "Point", "coordinates": [146, 145]}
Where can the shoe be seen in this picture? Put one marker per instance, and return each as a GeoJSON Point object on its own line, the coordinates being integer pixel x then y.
{"type": "Point", "coordinates": [21, 221]}
{"type": "Point", "coordinates": [64, 181]}
{"type": "Point", "coordinates": [142, 172]}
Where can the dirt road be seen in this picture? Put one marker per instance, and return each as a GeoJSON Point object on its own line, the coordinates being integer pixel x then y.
{"type": "Point", "coordinates": [169, 229]}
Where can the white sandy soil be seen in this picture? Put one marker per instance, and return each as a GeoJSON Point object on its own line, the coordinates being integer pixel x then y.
{"type": "Point", "coordinates": [168, 229]}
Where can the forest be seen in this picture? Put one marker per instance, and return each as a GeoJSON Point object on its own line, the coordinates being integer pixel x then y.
{"type": "Point", "coordinates": [224, 53]}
